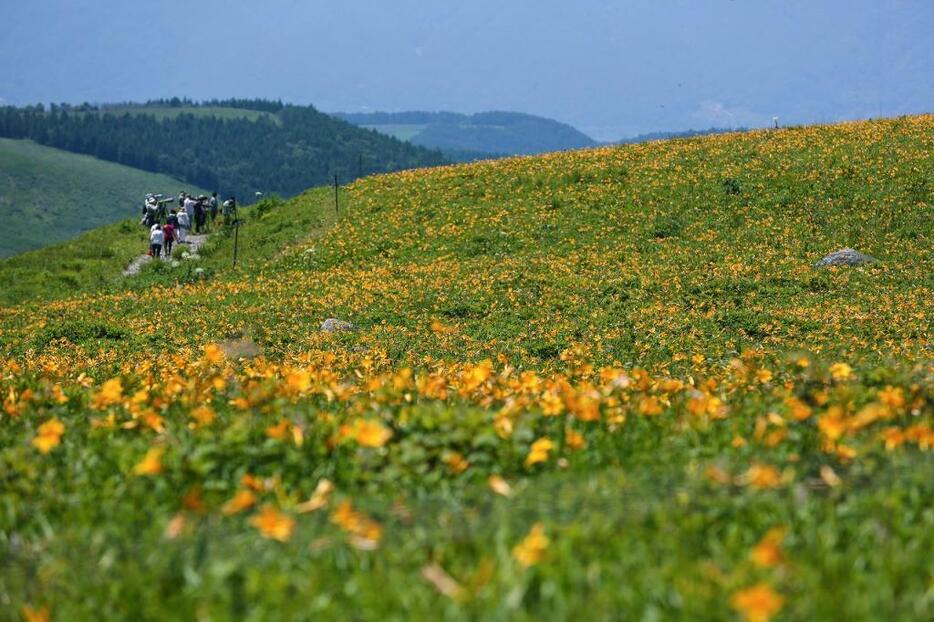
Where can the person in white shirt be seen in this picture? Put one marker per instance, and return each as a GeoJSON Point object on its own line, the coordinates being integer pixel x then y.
{"type": "Point", "coordinates": [190, 210]}
{"type": "Point", "coordinates": [155, 240]}
{"type": "Point", "coordinates": [183, 225]}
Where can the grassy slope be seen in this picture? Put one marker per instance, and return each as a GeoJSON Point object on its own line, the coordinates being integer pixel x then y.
{"type": "Point", "coordinates": [48, 195]}
{"type": "Point", "coordinates": [402, 131]}
{"type": "Point", "coordinates": [94, 261]}
{"type": "Point", "coordinates": [691, 260]}
{"type": "Point", "coordinates": [169, 112]}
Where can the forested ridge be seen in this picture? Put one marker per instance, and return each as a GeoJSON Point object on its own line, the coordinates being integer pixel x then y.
{"type": "Point", "coordinates": [285, 151]}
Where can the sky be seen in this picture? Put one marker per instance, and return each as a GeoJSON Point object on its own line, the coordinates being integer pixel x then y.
{"type": "Point", "coordinates": [613, 69]}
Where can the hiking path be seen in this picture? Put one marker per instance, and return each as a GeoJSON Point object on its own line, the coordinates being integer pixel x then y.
{"type": "Point", "coordinates": [195, 242]}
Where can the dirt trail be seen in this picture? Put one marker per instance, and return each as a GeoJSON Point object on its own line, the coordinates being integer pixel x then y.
{"type": "Point", "coordinates": [195, 242]}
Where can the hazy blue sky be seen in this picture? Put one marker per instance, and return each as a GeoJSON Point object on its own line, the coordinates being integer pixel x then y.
{"type": "Point", "coordinates": [610, 68]}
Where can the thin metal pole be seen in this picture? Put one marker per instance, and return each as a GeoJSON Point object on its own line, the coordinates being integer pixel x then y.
{"type": "Point", "coordinates": [236, 240]}
{"type": "Point", "coordinates": [337, 209]}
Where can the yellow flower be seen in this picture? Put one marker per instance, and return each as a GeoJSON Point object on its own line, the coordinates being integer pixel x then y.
{"type": "Point", "coordinates": [298, 381]}
{"type": "Point", "coordinates": [59, 395]}
{"type": "Point", "coordinates": [272, 524]}
{"type": "Point", "coordinates": [31, 614]}
{"type": "Point", "coordinates": [761, 476]}
{"type": "Point", "coordinates": [841, 371]}
{"type": "Point", "coordinates": [757, 603]}
{"type": "Point", "coordinates": [111, 393]}
{"type": "Point", "coordinates": [279, 430]}
{"type": "Point", "coordinates": [649, 406]}
{"type": "Point", "coordinates": [243, 500]}
{"type": "Point", "coordinates": [768, 552]}
{"type": "Point", "coordinates": [539, 451]}
{"type": "Point", "coordinates": [213, 353]}
{"type": "Point", "coordinates": [204, 415]}
{"type": "Point", "coordinates": [475, 375]}
{"type": "Point", "coordinates": [151, 464]}
{"type": "Point", "coordinates": [799, 410]}
{"type": "Point", "coordinates": [371, 433]}
{"type": "Point", "coordinates": [575, 440]}
{"type": "Point", "coordinates": [532, 548]}
{"type": "Point", "coordinates": [832, 424]}
{"type": "Point", "coordinates": [551, 404]}
{"type": "Point", "coordinates": [893, 437]}
{"type": "Point", "coordinates": [893, 397]}
{"type": "Point", "coordinates": [365, 533]}
{"type": "Point", "coordinates": [456, 462]}
{"type": "Point", "coordinates": [49, 435]}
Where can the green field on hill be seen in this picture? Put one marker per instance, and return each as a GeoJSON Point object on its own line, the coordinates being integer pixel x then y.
{"type": "Point", "coordinates": [48, 195]}
{"type": "Point", "coordinates": [608, 383]}
{"type": "Point", "coordinates": [171, 112]}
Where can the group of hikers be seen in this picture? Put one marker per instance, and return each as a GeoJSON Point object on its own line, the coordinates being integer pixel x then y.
{"type": "Point", "coordinates": [167, 226]}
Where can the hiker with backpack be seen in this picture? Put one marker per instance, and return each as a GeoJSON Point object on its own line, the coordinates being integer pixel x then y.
{"type": "Point", "coordinates": [150, 212]}
{"type": "Point", "coordinates": [213, 205]}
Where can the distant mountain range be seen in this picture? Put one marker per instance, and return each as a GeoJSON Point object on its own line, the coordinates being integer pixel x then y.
{"type": "Point", "coordinates": [469, 137]}
{"type": "Point", "coordinates": [462, 137]}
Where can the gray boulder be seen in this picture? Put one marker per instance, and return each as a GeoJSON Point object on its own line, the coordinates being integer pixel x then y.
{"type": "Point", "coordinates": [845, 257]}
{"type": "Point", "coordinates": [333, 325]}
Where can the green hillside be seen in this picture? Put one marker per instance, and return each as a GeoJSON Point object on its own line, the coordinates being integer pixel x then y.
{"type": "Point", "coordinates": [48, 195]}
{"type": "Point", "coordinates": [609, 381]}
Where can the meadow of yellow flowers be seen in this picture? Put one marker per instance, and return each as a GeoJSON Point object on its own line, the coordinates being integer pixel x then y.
{"type": "Point", "coordinates": [606, 383]}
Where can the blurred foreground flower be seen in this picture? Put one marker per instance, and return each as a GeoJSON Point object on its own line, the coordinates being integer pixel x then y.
{"type": "Point", "coordinates": [365, 533]}
{"type": "Point", "coordinates": [213, 353]}
{"type": "Point", "coordinates": [532, 549]}
{"type": "Point", "coordinates": [841, 371]}
{"type": "Point", "coordinates": [49, 435]}
{"type": "Point", "coordinates": [273, 524]}
{"type": "Point", "coordinates": [768, 552]}
{"type": "Point", "coordinates": [243, 500]}
{"type": "Point", "coordinates": [31, 614]}
{"type": "Point", "coordinates": [442, 581]}
{"type": "Point", "coordinates": [371, 433]}
{"type": "Point", "coordinates": [319, 498]}
{"type": "Point", "coordinates": [151, 464]}
{"type": "Point", "coordinates": [757, 603]}
{"type": "Point", "coordinates": [499, 485]}
{"type": "Point", "coordinates": [539, 451]}
{"type": "Point", "coordinates": [111, 393]}
{"type": "Point", "coordinates": [761, 476]}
